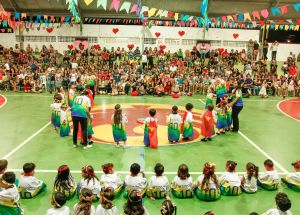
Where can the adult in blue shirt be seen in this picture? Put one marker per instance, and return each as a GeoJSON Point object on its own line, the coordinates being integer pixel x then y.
{"type": "Point", "coordinates": [236, 104]}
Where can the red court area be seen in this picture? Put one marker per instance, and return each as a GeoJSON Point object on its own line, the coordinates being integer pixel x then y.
{"type": "Point", "coordinates": [2, 101]}
{"type": "Point", "coordinates": [291, 108]}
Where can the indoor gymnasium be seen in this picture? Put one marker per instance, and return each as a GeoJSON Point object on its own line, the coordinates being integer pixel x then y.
{"type": "Point", "coordinates": [145, 107]}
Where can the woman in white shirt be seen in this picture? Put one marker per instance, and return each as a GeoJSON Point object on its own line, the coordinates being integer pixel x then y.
{"type": "Point", "coordinates": [230, 182]}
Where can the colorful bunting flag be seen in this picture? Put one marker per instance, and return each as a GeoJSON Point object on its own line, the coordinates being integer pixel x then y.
{"type": "Point", "coordinates": [275, 11]}
{"type": "Point", "coordinates": [297, 6]}
{"type": "Point", "coordinates": [115, 4]}
{"type": "Point", "coordinates": [152, 12]}
{"type": "Point", "coordinates": [284, 9]}
{"type": "Point", "coordinates": [102, 3]}
{"type": "Point", "coordinates": [88, 2]}
{"type": "Point", "coordinates": [134, 8]}
{"type": "Point", "coordinates": [125, 6]}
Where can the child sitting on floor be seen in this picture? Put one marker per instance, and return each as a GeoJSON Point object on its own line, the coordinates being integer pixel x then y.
{"type": "Point", "coordinates": [292, 180]}
{"type": "Point", "coordinates": [283, 204]}
{"type": "Point", "coordinates": [30, 186]}
{"type": "Point", "coordinates": [270, 179]}
{"type": "Point", "coordinates": [249, 180]}
{"type": "Point", "coordinates": [89, 181]}
{"type": "Point", "coordinates": [57, 201]}
{"type": "Point", "coordinates": [85, 204]}
{"type": "Point", "coordinates": [9, 195]}
{"type": "Point", "coordinates": [230, 182]}
{"type": "Point", "coordinates": [134, 204]}
{"type": "Point", "coordinates": [106, 206]}
{"type": "Point", "coordinates": [111, 180]}
{"type": "Point", "coordinates": [134, 181]}
{"type": "Point", "coordinates": [64, 182]}
{"type": "Point", "coordinates": [158, 186]}
{"type": "Point", "coordinates": [168, 208]}
{"type": "Point", "coordinates": [207, 186]}
{"type": "Point", "coordinates": [182, 185]}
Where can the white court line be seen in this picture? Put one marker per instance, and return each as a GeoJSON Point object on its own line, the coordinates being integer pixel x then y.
{"type": "Point", "coordinates": [126, 172]}
{"type": "Point", "coordinates": [5, 101]}
{"type": "Point", "coordinates": [26, 141]}
{"type": "Point", "coordinates": [286, 113]}
{"type": "Point", "coordinates": [264, 153]}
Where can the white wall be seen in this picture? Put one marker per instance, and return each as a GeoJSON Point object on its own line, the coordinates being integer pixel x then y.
{"type": "Point", "coordinates": [134, 35]}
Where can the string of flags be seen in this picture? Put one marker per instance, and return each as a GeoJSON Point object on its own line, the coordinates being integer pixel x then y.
{"type": "Point", "coordinates": [255, 19]}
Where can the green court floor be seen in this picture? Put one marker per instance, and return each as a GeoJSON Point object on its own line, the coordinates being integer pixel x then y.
{"type": "Point", "coordinates": [26, 136]}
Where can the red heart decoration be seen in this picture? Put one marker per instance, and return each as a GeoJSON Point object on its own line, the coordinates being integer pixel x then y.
{"type": "Point", "coordinates": [194, 48]}
{"type": "Point", "coordinates": [298, 21]}
{"type": "Point", "coordinates": [49, 30]}
{"type": "Point", "coordinates": [157, 34]}
{"type": "Point", "coordinates": [2, 30]}
{"type": "Point", "coordinates": [235, 36]}
{"type": "Point", "coordinates": [97, 46]}
{"type": "Point", "coordinates": [181, 33]}
{"type": "Point", "coordinates": [70, 47]}
{"type": "Point", "coordinates": [221, 50]}
{"type": "Point", "coordinates": [130, 46]}
{"type": "Point", "coordinates": [115, 30]}
{"type": "Point", "coordinates": [162, 47]}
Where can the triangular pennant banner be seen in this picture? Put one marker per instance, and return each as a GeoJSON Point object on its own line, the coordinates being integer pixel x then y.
{"type": "Point", "coordinates": [296, 28]}
{"type": "Point", "coordinates": [264, 13]}
{"type": "Point", "coordinates": [102, 3]}
{"type": "Point", "coordinates": [115, 4]}
{"type": "Point", "coordinates": [284, 9]}
{"type": "Point", "coordinates": [134, 8]}
{"type": "Point", "coordinates": [256, 15]}
{"type": "Point", "coordinates": [176, 16]}
{"type": "Point", "coordinates": [247, 17]}
{"type": "Point", "coordinates": [275, 11]}
{"type": "Point", "coordinates": [164, 14]}
{"type": "Point", "coordinates": [88, 2]}
{"type": "Point", "coordinates": [297, 6]}
{"type": "Point", "coordinates": [152, 12]}
{"type": "Point", "coordinates": [125, 6]}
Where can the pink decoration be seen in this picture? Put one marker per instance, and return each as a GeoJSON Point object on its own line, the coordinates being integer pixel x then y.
{"type": "Point", "coordinates": [264, 13]}
{"type": "Point", "coordinates": [115, 4]}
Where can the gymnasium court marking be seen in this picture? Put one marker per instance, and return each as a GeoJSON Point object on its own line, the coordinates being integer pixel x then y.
{"type": "Point", "coordinates": [259, 149]}
{"type": "Point", "coordinates": [290, 108]}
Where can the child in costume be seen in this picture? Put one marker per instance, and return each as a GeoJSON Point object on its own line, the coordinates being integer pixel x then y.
{"type": "Point", "coordinates": [150, 130]}
{"type": "Point", "coordinates": [209, 97]}
{"type": "Point", "coordinates": [230, 182]}
{"type": "Point", "coordinates": [30, 186]}
{"type": "Point", "coordinates": [174, 121]}
{"type": "Point", "coordinates": [134, 181]}
{"type": "Point", "coordinates": [118, 126]}
{"type": "Point", "coordinates": [228, 118]}
{"type": "Point", "coordinates": [90, 181]}
{"type": "Point", "coordinates": [182, 185]}
{"type": "Point", "coordinates": [91, 95]}
{"type": "Point", "coordinates": [168, 208]}
{"type": "Point", "coordinates": [292, 180]}
{"type": "Point", "coordinates": [249, 180]}
{"type": "Point", "coordinates": [270, 179]}
{"type": "Point", "coordinates": [71, 95]}
{"type": "Point", "coordinates": [207, 186]}
{"type": "Point", "coordinates": [221, 117]}
{"type": "Point", "coordinates": [62, 94]}
{"type": "Point", "coordinates": [64, 129]}
{"type": "Point", "coordinates": [187, 126]}
{"type": "Point", "coordinates": [207, 125]}
{"type": "Point", "coordinates": [9, 195]}
{"type": "Point", "coordinates": [58, 201]}
{"type": "Point", "coordinates": [111, 180]}
{"type": "Point", "coordinates": [158, 185]}
{"type": "Point", "coordinates": [106, 206]}
{"type": "Point", "coordinates": [85, 204]}
{"type": "Point", "coordinates": [56, 107]}
{"type": "Point", "coordinates": [64, 182]}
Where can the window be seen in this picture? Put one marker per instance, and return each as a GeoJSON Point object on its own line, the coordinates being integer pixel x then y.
{"type": "Point", "coordinates": [72, 39]}
{"type": "Point", "coordinates": [189, 42]}
{"type": "Point", "coordinates": [37, 38]}
{"type": "Point", "coordinates": [150, 41]}
{"type": "Point", "coordinates": [235, 43]}
{"type": "Point", "coordinates": [216, 43]}
{"type": "Point", "coordinates": [120, 40]}
{"type": "Point", "coordinates": [172, 42]}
